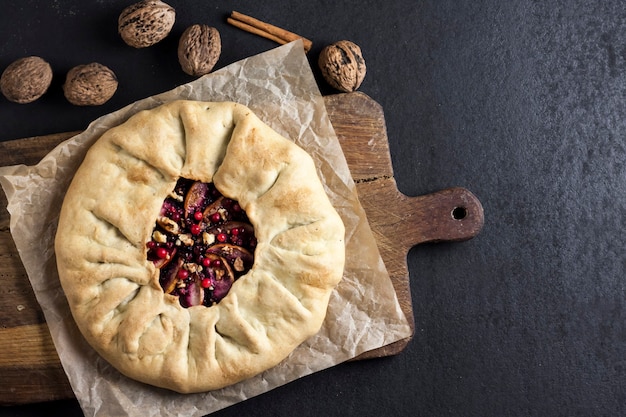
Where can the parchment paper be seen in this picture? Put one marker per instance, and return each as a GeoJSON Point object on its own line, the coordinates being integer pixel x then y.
{"type": "Point", "coordinates": [363, 314]}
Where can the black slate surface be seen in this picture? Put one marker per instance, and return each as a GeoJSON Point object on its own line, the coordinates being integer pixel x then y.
{"type": "Point", "coordinates": [522, 102]}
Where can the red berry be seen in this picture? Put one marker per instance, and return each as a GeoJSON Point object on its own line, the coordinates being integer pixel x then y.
{"type": "Point", "coordinates": [176, 216]}
{"type": "Point", "coordinates": [215, 217]}
{"type": "Point", "coordinates": [151, 244]}
{"type": "Point", "coordinates": [222, 237]}
{"type": "Point", "coordinates": [195, 229]}
{"type": "Point", "coordinates": [183, 273]}
{"type": "Point", "coordinates": [216, 263]}
{"type": "Point", "coordinates": [206, 262]}
{"type": "Point", "coordinates": [234, 232]}
{"type": "Point", "coordinates": [236, 207]}
{"type": "Point", "coordinates": [206, 283]}
{"type": "Point", "coordinates": [161, 253]}
{"type": "Point", "coordinates": [197, 215]}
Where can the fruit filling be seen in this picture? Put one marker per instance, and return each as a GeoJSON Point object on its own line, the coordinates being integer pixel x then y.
{"type": "Point", "coordinates": [202, 243]}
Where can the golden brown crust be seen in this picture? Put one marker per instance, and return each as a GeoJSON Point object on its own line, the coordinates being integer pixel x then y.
{"type": "Point", "coordinates": [108, 215]}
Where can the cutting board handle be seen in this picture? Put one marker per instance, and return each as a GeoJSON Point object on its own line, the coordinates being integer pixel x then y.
{"type": "Point", "coordinates": [453, 214]}
{"type": "Point", "coordinates": [401, 222]}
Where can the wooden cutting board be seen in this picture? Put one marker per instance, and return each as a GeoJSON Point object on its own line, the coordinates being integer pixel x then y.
{"type": "Point", "coordinates": [29, 366]}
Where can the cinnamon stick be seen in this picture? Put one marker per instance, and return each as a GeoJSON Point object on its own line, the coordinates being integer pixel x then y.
{"type": "Point", "coordinates": [266, 30]}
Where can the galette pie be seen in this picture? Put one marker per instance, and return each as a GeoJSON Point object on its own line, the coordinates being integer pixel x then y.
{"type": "Point", "coordinates": [197, 247]}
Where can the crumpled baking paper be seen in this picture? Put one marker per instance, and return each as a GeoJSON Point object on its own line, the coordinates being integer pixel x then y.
{"type": "Point", "coordinates": [363, 313]}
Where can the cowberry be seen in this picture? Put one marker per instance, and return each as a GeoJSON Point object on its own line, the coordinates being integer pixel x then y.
{"type": "Point", "coordinates": [161, 253]}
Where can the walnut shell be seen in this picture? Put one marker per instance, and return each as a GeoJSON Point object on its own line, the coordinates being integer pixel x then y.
{"type": "Point", "coordinates": [90, 85]}
{"type": "Point", "coordinates": [199, 48]}
{"type": "Point", "coordinates": [26, 79]}
{"type": "Point", "coordinates": [342, 65]}
{"type": "Point", "coordinates": [145, 23]}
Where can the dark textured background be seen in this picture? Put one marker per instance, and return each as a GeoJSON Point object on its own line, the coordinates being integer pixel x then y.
{"type": "Point", "coordinates": [522, 102]}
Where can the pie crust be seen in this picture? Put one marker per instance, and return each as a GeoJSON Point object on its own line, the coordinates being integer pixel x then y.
{"type": "Point", "coordinates": [109, 213]}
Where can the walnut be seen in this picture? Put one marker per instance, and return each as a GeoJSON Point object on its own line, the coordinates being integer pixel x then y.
{"type": "Point", "coordinates": [208, 238]}
{"type": "Point", "coordinates": [168, 224]}
{"type": "Point", "coordinates": [186, 239]}
{"type": "Point", "coordinates": [145, 23]}
{"type": "Point", "coordinates": [199, 48]}
{"type": "Point", "coordinates": [26, 79]}
{"type": "Point", "coordinates": [238, 265]}
{"type": "Point", "coordinates": [159, 237]}
{"type": "Point", "coordinates": [342, 65]}
{"type": "Point", "coordinates": [90, 85]}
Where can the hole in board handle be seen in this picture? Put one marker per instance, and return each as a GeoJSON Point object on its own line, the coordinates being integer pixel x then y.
{"type": "Point", "coordinates": [459, 213]}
